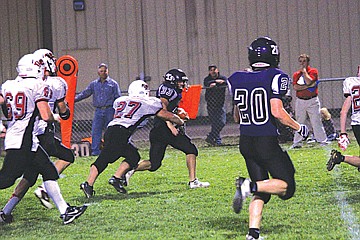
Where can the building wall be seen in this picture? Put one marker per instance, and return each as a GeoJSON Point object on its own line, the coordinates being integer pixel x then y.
{"type": "Point", "coordinates": [152, 36]}
{"type": "Point", "coordinates": [20, 31]}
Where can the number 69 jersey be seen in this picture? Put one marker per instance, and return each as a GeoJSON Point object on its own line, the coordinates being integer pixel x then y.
{"type": "Point", "coordinates": [251, 93]}
{"type": "Point", "coordinates": [21, 96]}
{"type": "Point", "coordinates": [131, 111]}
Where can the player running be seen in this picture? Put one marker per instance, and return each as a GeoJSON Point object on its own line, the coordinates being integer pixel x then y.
{"type": "Point", "coordinates": [164, 133]}
{"type": "Point", "coordinates": [351, 89]}
{"type": "Point", "coordinates": [130, 111]}
{"type": "Point", "coordinates": [26, 97]}
{"type": "Point", "coordinates": [257, 104]}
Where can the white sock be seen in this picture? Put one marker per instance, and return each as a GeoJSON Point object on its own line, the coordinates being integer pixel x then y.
{"type": "Point", "coordinates": [53, 190]}
{"type": "Point", "coordinates": [11, 204]}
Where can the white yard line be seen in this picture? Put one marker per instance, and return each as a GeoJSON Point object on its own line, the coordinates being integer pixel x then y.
{"type": "Point", "coordinates": [347, 213]}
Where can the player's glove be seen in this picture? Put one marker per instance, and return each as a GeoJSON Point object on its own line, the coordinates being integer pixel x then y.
{"type": "Point", "coordinates": [343, 141]}
{"type": "Point", "coordinates": [303, 131]}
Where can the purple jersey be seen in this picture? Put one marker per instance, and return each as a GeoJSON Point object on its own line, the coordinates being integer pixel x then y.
{"type": "Point", "coordinates": [251, 93]}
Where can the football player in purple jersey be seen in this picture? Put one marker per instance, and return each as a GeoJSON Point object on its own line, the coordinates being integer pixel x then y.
{"type": "Point", "coordinates": [257, 103]}
{"type": "Point", "coordinates": [165, 133]}
{"type": "Point", "coordinates": [130, 111]}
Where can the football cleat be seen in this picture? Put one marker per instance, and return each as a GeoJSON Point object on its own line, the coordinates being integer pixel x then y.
{"type": "Point", "coordinates": [242, 192]}
{"type": "Point", "coordinates": [118, 183]}
{"type": "Point", "coordinates": [197, 184]}
{"type": "Point", "coordinates": [72, 213]}
{"type": "Point", "coordinates": [6, 218]}
{"type": "Point", "coordinates": [128, 176]}
{"type": "Point", "coordinates": [42, 195]}
{"type": "Point", "coordinates": [335, 158]}
{"type": "Point", "coordinates": [87, 189]}
{"type": "Point", "coordinates": [249, 237]}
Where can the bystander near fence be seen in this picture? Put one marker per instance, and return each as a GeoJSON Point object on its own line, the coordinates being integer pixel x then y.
{"type": "Point", "coordinates": [330, 94]}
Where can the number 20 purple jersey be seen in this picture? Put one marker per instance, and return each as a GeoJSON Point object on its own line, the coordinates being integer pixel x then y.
{"type": "Point", "coordinates": [251, 93]}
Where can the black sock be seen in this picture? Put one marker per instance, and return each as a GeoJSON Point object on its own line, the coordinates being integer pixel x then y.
{"type": "Point", "coordinates": [253, 187]}
{"type": "Point", "coordinates": [254, 232]}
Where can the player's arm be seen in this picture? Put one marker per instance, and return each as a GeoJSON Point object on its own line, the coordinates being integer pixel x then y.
{"type": "Point", "coordinates": [45, 111]}
{"type": "Point", "coordinates": [236, 115]}
{"type": "Point", "coordinates": [168, 116]}
{"type": "Point", "coordinates": [64, 110]}
{"type": "Point", "coordinates": [343, 113]}
{"type": "Point", "coordinates": [3, 106]}
{"type": "Point", "coordinates": [278, 111]}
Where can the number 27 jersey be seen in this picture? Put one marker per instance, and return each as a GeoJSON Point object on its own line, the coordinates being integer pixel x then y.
{"type": "Point", "coordinates": [251, 93]}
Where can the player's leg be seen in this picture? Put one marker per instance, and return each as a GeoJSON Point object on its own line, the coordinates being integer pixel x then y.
{"type": "Point", "coordinates": [132, 157]}
{"type": "Point", "coordinates": [53, 147]}
{"type": "Point", "coordinates": [50, 175]}
{"type": "Point", "coordinates": [183, 143]}
{"type": "Point", "coordinates": [14, 165]}
{"type": "Point", "coordinates": [115, 140]}
{"type": "Point", "coordinates": [336, 157]}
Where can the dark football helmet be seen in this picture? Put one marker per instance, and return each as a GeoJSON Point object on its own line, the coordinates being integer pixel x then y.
{"type": "Point", "coordinates": [263, 53]}
{"type": "Point", "coordinates": [176, 77]}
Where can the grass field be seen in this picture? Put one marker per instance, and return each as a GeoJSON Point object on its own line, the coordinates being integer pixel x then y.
{"type": "Point", "coordinates": [159, 205]}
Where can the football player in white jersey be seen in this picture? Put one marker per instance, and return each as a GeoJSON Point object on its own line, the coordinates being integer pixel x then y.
{"type": "Point", "coordinates": [130, 111]}
{"type": "Point", "coordinates": [26, 97]}
{"type": "Point", "coordinates": [45, 132]}
{"type": "Point", "coordinates": [351, 89]}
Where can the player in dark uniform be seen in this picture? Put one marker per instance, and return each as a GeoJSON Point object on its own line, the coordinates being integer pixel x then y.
{"type": "Point", "coordinates": [165, 133]}
{"type": "Point", "coordinates": [257, 105]}
{"type": "Point", "coordinates": [130, 111]}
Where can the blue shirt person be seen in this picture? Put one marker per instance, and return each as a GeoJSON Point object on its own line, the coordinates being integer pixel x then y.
{"type": "Point", "coordinates": [104, 91]}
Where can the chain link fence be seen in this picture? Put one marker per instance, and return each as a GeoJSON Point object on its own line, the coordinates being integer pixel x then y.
{"type": "Point", "coordinates": [330, 94]}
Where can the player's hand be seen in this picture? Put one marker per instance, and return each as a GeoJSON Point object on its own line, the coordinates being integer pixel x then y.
{"type": "Point", "coordinates": [343, 141]}
{"type": "Point", "coordinates": [303, 131]}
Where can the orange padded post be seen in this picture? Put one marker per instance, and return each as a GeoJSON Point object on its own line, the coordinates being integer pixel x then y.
{"type": "Point", "coordinates": [67, 69]}
{"type": "Point", "coordinates": [190, 100]}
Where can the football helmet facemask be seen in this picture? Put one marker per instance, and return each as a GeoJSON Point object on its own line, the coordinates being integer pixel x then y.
{"type": "Point", "coordinates": [263, 53]}
{"type": "Point", "coordinates": [177, 77]}
{"type": "Point", "coordinates": [48, 59]}
{"type": "Point", "coordinates": [29, 67]}
{"type": "Point", "coordinates": [138, 88]}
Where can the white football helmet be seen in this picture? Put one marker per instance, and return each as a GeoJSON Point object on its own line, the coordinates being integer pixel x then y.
{"type": "Point", "coordinates": [28, 67]}
{"type": "Point", "coordinates": [48, 59]}
{"type": "Point", "coordinates": [138, 88]}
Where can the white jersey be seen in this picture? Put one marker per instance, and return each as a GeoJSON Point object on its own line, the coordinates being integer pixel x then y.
{"type": "Point", "coordinates": [21, 96]}
{"type": "Point", "coordinates": [58, 88]}
{"type": "Point", "coordinates": [351, 87]}
{"type": "Point", "coordinates": [131, 111]}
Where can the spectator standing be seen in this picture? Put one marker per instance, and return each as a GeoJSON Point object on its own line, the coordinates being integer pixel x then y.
{"type": "Point", "coordinates": [215, 84]}
{"type": "Point", "coordinates": [258, 144]}
{"type": "Point", "coordinates": [104, 90]}
{"type": "Point", "coordinates": [351, 86]}
{"type": "Point", "coordinates": [305, 82]}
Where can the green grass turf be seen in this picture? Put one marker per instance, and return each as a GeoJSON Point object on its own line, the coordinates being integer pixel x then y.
{"type": "Point", "coordinates": [159, 205]}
